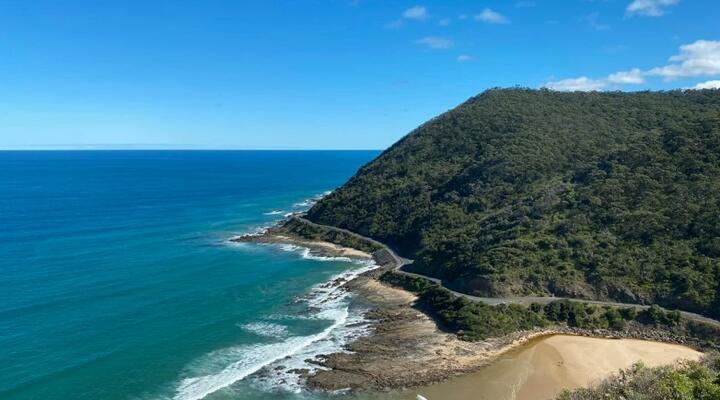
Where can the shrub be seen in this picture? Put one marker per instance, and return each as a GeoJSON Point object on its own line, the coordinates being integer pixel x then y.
{"type": "Point", "coordinates": [687, 381]}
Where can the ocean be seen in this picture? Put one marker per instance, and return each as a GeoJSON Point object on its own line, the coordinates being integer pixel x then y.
{"type": "Point", "coordinates": [118, 280]}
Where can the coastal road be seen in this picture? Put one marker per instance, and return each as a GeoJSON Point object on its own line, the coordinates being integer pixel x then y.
{"type": "Point", "coordinates": [400, 263]}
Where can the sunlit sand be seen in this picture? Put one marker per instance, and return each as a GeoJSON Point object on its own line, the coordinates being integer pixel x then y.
{"type": "Point", "coordinates": [541, 369]}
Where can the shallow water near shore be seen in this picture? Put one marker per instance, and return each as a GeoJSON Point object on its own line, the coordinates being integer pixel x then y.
{"type": "Point", "coordinates": [541, 368]}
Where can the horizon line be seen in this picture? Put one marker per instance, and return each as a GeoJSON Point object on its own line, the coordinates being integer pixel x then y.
{"type": "Point", "coordinates": [175, 149]}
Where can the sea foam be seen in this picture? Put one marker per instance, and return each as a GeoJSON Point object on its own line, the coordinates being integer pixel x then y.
{"type": "Point", "coordinates": [306, 253]}
{"type": "Point", "coordinates": [266, 329]}
{"type": "Point", "coordinates": [252, 358]}
{"type": "Point", "coordinates": [275, 212]}
{"type": "Point", "coordinates": [309, 202]}
{"type": "Point", "coordinates": [329, 301]}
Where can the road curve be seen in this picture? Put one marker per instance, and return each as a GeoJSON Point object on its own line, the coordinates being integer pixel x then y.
{"type": "Point", "coordinates": [401, 262]}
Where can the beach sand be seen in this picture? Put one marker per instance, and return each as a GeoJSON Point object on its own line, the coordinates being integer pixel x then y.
{"type": "Point", "coordinates": [541, 368]}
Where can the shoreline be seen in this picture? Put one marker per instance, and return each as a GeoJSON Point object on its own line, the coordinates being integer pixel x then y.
{"type": "Point", "coordinates": [405, 348]}
{"type": "Point", "coordinates": [544, 367]}
{"type": "Point", "coordinates": [316, 248]}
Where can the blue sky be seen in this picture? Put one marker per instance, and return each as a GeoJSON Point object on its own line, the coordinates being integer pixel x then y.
{"type": "Point", "coordinates": [345, 74]}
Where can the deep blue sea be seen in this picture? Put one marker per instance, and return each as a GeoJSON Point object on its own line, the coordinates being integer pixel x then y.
{"type": "Point", "coordinates": [117, 280]}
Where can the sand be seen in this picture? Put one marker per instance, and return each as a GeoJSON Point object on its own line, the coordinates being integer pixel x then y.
{"type": "Point", "coordinates": [542, 368]}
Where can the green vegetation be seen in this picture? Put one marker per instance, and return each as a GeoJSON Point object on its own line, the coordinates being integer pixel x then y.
{"type": "Point", "coordinates": [313, 232]}
{"type": "Point", "coordinates": [477, 321]}
{"type": "Point", "coordinates": [470, 320]}
{"type": "Point", "coordinates": [689, 381]}
{"type": "Point", "coordinates": [609, 196]}
{"type": "Point", "coordinates": [579, 315]}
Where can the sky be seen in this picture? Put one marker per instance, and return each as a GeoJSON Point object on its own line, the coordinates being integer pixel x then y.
{"type": "Point", "coordinates": [319, 74]}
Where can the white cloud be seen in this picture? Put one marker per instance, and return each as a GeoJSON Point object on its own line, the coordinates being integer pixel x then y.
{"type": "Point", "coordinates": [491, 17]}
{"type": "Point", "coordinates": [700, 58]}
{"type": "Point", "coordinates": [582, 83]}
{"type": "Point", "coordinates": [464, 58]}
{"type": "Point", "coordinates": [419, 13]}
{"type": "Point", "coordinates": [435, 42]}
{"type": "Point", "coordinates": [650, 8]}
{"type": "Point", "coordinates": [632, 77]}
{"type": "Point", "coordinates": [444, 22]}
{"type": "Point", "coordinates": [695, 59]}
{"type": "Point", "coordinates": [708, 85]}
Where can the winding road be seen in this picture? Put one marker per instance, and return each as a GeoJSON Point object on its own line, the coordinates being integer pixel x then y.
{"type": "Point", "coordinates": [400, 263]}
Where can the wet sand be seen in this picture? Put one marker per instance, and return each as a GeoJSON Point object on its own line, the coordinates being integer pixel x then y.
{"type": "Point", "coordinates": [540, 369]}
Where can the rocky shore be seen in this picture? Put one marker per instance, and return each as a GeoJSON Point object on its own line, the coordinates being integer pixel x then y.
{"type": "Point", "coordinates": [406, 348]}
{"type": "Point", "coordinates": [316, 248]}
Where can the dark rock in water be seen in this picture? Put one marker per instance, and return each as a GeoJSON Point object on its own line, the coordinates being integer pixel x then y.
{"type": "Point", "coordinates": [301, 372]}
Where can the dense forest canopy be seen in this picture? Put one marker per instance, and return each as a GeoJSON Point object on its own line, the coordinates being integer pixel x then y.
{"type": "Point", "coordinates": [588, 195]}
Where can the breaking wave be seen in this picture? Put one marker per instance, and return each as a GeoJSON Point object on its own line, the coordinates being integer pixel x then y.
{"type": "Point", "coordinates": [266, 329]}
{"type": "Point", "coordinates": [271, 365]}
{"type": "Point", "coordinates": [307, 203]}
{"type": "Point", "coordinates": [275, 212]}
{"type": "Point", "coordinates": [306, 253]}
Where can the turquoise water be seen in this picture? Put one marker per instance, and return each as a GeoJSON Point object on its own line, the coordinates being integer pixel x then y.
{"type": "Point", "coordinates": [118, 281]}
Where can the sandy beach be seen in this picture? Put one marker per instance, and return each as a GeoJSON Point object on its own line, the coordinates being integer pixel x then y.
{"type": "Point", "coordinates": [540, 369]}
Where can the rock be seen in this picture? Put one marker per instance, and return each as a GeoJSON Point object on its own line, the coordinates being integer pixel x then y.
{"type": "Point", "coordinates": [301, 372]}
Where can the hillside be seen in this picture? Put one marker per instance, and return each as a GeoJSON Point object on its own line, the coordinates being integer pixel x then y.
{"type": "Point", "coordinates": [588, 195]}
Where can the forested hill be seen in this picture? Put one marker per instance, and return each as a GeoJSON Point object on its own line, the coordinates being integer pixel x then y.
{"type": "Point", "coordinates": [588, 195]}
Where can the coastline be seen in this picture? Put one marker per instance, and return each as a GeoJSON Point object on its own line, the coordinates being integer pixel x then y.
{"type": "Point", "coordinates": [405, 348]}
{"type": "Point", "coordinates": [544, 367]}
{"type": "Point", "coordinates": [316, 248]}
{"type": "Point", "coordinates": [276, 235]}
